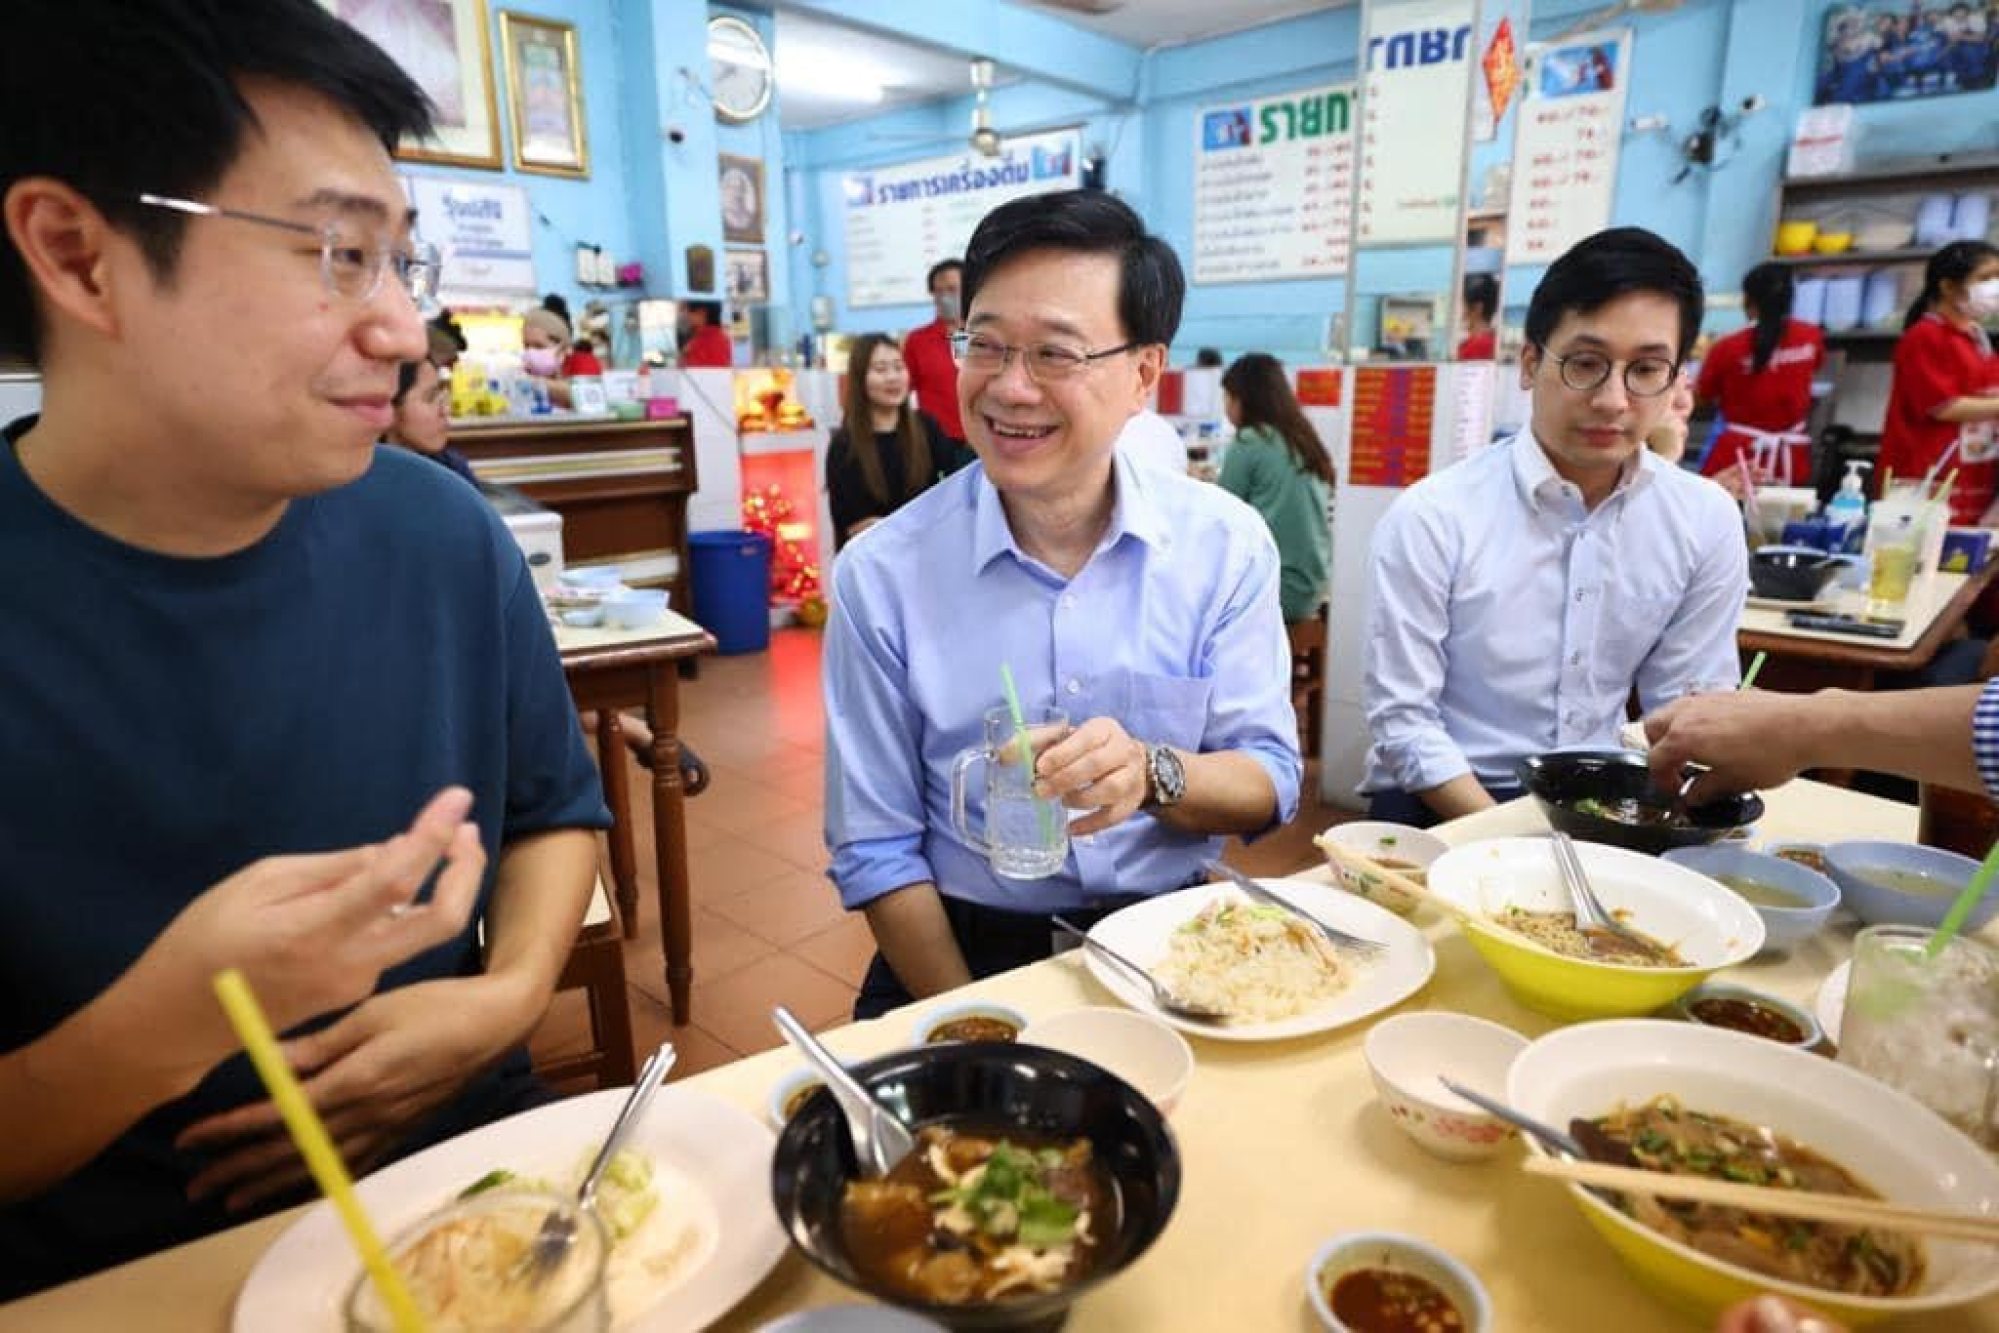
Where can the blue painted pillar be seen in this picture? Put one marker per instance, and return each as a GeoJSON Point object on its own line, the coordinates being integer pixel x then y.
{"type": "Point", "coordinates": [671, 188]}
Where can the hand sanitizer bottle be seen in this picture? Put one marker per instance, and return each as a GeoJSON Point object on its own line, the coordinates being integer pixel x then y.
{"type": "Point", "coordinates": [1847, 512]}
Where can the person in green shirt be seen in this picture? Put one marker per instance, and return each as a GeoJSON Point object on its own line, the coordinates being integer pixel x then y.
{"type": "Point", "coordinates": [1278, 464]}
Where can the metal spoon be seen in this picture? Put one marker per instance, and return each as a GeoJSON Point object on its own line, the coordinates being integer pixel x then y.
{"type": "Point", "coordinates": [1593, 921]}
{"type": "Point", "coordinates": [1164, 998]}
{"type": "Point", "coordinates": [558, 1230]}
{"type": "Point", "coordinates": [1551, 1138]}
{"type": "Point", "coordinates": [880, 1140]}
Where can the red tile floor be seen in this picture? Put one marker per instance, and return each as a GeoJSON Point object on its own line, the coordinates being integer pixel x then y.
{"type": "Point", "coordinates": [768, 926]}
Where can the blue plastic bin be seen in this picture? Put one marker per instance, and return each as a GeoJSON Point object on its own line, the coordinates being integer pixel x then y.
{"type": "Point", "coordinates": [731, 571]}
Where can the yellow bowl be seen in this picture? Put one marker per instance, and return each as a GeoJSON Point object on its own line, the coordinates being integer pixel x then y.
{"type": "Point", "coordinates": [1589, 1070]}
{"type": "Point", "coordinates": [1706, 924]}
{"type": "Point", "coordinates": [1833, 242]}
{"type": "Point", "coordinates": [1795, 238]}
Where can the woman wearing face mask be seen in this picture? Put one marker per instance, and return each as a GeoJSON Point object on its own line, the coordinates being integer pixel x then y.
{"type": "Point", "coordinates": [1943, 408]}
{"type": "Point", "coordinates": [548, 356]}
{"type": "Point", "coordinates": [422, 423]}
{"type": "Point", "coordinates": [884, 453]}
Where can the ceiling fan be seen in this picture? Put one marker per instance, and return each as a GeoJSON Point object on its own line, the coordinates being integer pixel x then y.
{"type": "Point", "coordinates": [983, 139]}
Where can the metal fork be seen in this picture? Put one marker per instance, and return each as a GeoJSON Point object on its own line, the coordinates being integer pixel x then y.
{"type": "Point", "coordinates": [1336, 937]}
{"type": "Point", "coordinates": [558, 1229]}
{"type": "Point", "coordinates": [1589, 909]}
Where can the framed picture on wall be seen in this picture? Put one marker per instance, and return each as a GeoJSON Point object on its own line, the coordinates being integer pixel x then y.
{"type": "Point", "coordinates": [742, 180]}
{"type": "Point", "coordinates": [1890, 50]}
{"type": "Point", "coordinates": [746, 277]}
{"type": "Point", "coordinates": [441, 44]}
{"type": "Point", "coordinates": [545, 95]}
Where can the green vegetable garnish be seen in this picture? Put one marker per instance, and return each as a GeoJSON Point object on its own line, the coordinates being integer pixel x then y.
{"type": "Point", "coordinates": [1007, 1198]}
{"type": "Point", "coordinates": [491, 1180]}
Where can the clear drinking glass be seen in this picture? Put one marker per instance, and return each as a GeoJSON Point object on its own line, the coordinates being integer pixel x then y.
{"type": "Point", "coordinates": [1927, 1026]}
{"type": "Point", "coordinates": [1026, 836]}
{"type": "Point", "coordinates": [465, 1266]}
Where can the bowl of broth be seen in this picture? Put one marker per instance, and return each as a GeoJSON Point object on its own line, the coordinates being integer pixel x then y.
{"type": "Point", "coordinates": [1902, 884]}
{"type": "Point", "coordinates": [1794, 900]}
{"type": "Point", "coordinates": [1607, 796]}
{"type": "Point", "coordinates": [1087, 1167]}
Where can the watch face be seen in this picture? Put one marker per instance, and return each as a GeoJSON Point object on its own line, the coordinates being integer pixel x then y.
{"type": "Point", "coordinates": [740, 73]}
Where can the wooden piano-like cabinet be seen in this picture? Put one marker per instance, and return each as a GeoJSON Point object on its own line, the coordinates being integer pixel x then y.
{"type": "Point", "coordinates": [620, 486]}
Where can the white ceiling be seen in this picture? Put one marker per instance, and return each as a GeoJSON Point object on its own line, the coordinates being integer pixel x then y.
{"type": "Point", "coordinates": [813, 49]}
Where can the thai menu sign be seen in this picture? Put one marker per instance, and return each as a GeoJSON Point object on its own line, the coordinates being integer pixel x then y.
{"type": "Point", "coordinates": [1273, 184]}
{"type": "Point", "coordinates": [902, 219]}
{"type": "Point", "coordinates": [484, 235]}
{"type": "Point", "coordinates": [1412, 122]}
{"type": "Point", "coordinates": [1565, 150]}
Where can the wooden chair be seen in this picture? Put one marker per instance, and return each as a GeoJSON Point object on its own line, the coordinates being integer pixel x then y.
{"type": "Point", "coordinates": [1308, 678]}
{"type": "Point", "coordinates": [596, 966]}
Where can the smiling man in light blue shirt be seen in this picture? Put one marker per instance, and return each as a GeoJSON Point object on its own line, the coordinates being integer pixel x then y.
{"type": "Point", "coordinates": [1141, 603]}
{"type": "Point", "coordinates": [1519, 597]}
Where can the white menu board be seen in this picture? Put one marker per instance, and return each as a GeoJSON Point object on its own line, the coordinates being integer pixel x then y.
{"type": "Point", "coordinates": [1419, 64]}
{"type": "Point", "coordinates": [902, 219]}
{"type": "Point", "coordinates": [1273, 186]}
{"type": "Point", "coordinates": [1565, 151]}
{"type": "Point", "coordinates": [484, 235]}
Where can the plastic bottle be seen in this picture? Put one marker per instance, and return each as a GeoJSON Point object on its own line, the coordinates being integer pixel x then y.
{"type": "Point", "coordinates": [1847, 511]}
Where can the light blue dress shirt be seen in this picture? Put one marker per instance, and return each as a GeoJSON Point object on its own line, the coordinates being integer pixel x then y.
{"type": "Point", "coordinates": [1506, 619]}
{"type": "Point", "coordinates": [1172, 629]}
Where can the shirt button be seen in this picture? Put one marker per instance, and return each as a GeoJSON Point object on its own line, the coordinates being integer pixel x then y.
{"type": "Point", "coordinates": [1575, 659]}
{"type": "Point", "coordinates": [1074, 686]}
{"type": "Point", "coordinates": [1580, 594]}
{"type": "Point", "coordinates": [1068, 601]}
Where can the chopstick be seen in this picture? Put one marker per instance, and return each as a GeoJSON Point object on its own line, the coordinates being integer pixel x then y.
{"type": "Point", "coordinates": [1807, 1204]}
{"type": "Point", "coordinates": [1362, 865]}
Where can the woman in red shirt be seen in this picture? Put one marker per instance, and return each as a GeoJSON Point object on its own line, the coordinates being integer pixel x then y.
{"type": "Point", "coordinates": [1760, 378]}
{"type": "Point", "coordinates": [1943, 408]}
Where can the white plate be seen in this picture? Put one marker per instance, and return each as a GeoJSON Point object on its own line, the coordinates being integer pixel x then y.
{"type": "Point", "coordinates": [1830, 1005]}
{"type": "Point", "coordinates": [1141, 931]}
{"type": "Point", "coordinates": [710, 1154]}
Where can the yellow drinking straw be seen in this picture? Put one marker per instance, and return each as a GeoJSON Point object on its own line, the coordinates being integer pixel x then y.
{"type": "Point", "coordinates": [321, 1157]}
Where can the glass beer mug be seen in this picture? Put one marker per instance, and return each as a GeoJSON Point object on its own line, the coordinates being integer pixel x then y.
{"type": "Point", "coordinates": [1025, 836]}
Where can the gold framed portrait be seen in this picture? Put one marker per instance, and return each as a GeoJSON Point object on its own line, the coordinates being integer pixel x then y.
{"type": "Point", "coordinates": [443, 45]}
{"type": "Point", "coordinates": [545, 95]}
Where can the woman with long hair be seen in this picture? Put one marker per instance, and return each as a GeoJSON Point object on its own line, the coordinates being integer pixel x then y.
{"type": "Point", "coordinates": [1943, 405]}
{"type": "Point", "coordinates": [1278, 464]}
{"type": "Point", "coordinates": [885, 453]}
{"type": "Point", "coordinates": [1760, 379]}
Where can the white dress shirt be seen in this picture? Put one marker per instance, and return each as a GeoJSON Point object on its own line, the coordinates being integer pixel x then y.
{"type": "Point", "coordinates": [1507, 619]}
{"type": "Point", "coordinates": [1151, 440]}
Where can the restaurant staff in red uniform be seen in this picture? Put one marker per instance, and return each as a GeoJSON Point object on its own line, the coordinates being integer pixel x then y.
{"type": "Point", "coordinates": [703, 340]}
{"type": "Point", "coordinates": [933, 371]}
{"type": "Point", "coordinates": [1481, 341]}
{"type": "Point", "coordinates": [1943, 409]}
{"type": "Point", "coordinates": [1760, 378]}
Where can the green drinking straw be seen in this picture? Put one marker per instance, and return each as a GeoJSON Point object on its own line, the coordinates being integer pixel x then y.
{"type": "Point", "coordinates": [1953, 920]}
{"type": "Point", "coordinates": [1755, 665]}
{"type": "Point", "coordinates": [1025, 746]}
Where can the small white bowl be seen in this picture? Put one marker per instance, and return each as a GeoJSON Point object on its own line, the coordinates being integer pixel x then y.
{"type": "Point", "coordinates": [602, 577]}
{"type": "Point", "coordinates": [795, 1080]}
{"type": "Point", "coordinates": [1712, 990]}
{"type": "Point", "coordinates": [1407, 1054]}
{"type": "Point", "coordinates": [1138, 1048]}
{"type": "Point", "coordinates": [583, 617]}
{"type": "Point", "coordinates": [635, 608]}
{"type": "Point", "coordinates": [1380, 841]}
{"type": "Point", "coordinates": [1386, 1249]}
{"type": "Point", "coordinates": [931, 1019]}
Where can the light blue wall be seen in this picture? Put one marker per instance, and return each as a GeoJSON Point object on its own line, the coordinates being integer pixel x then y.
{"type": "Point", "coordinates": [764, 140]}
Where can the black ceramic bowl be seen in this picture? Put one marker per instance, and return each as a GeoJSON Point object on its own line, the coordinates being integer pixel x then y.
{"type": "Point", "coordinates": [1791, 573]}
{"type": "Point", "coordinates": [1560, 779]}
{"type": "Point", "coordinates": [984, 1084]}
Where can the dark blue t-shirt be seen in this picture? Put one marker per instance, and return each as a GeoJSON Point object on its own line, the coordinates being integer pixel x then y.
{"type": "Point", "coordinates": [164, 722]}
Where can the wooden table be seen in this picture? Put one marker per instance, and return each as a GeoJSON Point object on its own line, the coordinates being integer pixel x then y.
{"type": "Point", "coordinates": [620, 486]}
{"type": "Point", "coordinates": [1805, 660]}
{"type": "Point", "coordinates": [609, 670]}
{"type": "Point", "coordinates": [1283, 1145]}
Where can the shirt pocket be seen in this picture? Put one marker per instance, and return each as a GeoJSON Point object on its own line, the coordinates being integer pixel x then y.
{"type": "Point", "coordinates": [1167, 710]}
{"type": "Point", "coordinates": [1631, 625]}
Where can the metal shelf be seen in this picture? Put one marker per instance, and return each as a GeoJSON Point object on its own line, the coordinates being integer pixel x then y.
{"type": "Point", "coordinates": [1899, 174]}
{"type": "Point", "coordinates": [1849, 258]}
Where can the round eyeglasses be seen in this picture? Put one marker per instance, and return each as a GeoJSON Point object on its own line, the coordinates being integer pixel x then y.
{"type": "Point", "coordinates": [348, 269]}
{"type": "Point", "coordinates": [1644, 377]}
{"type": "Point", "coordinates": [1046, 363]}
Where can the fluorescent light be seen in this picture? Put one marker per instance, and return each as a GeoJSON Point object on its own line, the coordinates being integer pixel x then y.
{"type": "Point", "coordinates": [816, 73]}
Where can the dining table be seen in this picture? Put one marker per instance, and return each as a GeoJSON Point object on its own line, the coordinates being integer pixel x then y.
{"type": "Point", "coordinates": [1283, 1146]}
{"type": "Point", "coordinates": [611, 669]}
{"type": "Point", "coordinates": [1801, 660]}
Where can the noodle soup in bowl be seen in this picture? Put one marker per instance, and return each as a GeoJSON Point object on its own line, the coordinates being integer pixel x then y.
{"type": "Point", "coordinates": [1503, 891]}
{"type": "Point", "coordinates": [1879, 1138]}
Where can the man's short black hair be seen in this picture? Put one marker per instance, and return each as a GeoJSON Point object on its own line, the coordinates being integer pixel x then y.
{"type": "Point", "coordinates": [1600, 268]}
{"type": "Point", "coordinates": [709, 310]}
{"type": "Point", "coordinates": [1482, 294]}
{"type": "Point", "coordinates": [939, 269]}
{"type": "Point", "coordinates": [1150, 283]}
{"type": "Point", "coordinates": [116, 97]}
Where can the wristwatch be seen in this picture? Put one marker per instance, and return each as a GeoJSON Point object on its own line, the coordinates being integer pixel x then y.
{"type": "Point", "coordinates": [1165, 778]}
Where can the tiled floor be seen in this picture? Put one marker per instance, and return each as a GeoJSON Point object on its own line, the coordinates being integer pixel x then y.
{"type": "Point", "coordinates": [768, 927]}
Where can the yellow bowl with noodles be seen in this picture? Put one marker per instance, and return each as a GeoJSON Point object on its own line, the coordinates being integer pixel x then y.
{"type": "Point", "coordinates": [1704, 923]}
{"type": "Point", "coordinates": [1897, 1148]}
